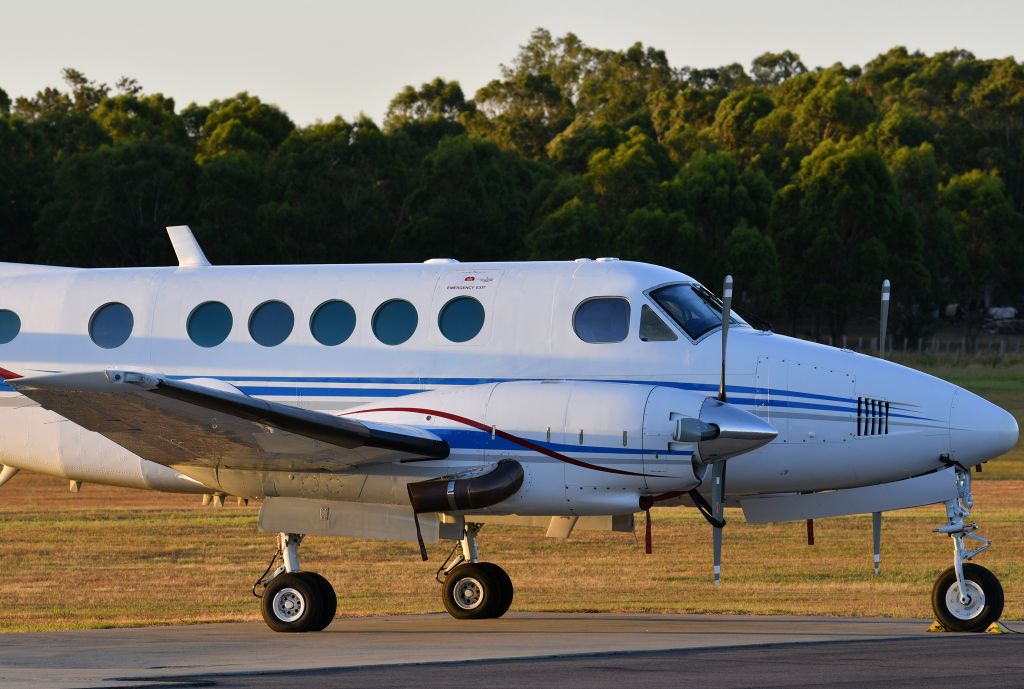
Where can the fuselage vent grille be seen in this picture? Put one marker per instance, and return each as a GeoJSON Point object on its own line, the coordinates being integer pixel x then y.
{"type": "Point", "coordinates": [872, 416]}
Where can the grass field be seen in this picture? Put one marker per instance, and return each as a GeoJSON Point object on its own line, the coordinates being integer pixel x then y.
{"type": "Point", "coordinates": [117, 557]}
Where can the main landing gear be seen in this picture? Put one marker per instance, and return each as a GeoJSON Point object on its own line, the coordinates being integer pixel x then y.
{"type": "Point", "coordinates": [965, 597]}
{"type": "Point", "coordinates": [473, 590]}
{"type": "Point", "coordinates": [294, 601]}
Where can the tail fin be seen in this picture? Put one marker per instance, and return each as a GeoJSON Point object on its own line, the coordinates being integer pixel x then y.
{"type": "Point", "coordinates": [8, 375]}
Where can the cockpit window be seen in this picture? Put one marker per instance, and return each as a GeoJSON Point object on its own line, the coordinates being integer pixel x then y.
{"type": "Point", "coordinates": [692, 306]}
{"type": "Point", "coordinates": [652, 328]}
{"type": "Point", "coordinates": [605, 319]}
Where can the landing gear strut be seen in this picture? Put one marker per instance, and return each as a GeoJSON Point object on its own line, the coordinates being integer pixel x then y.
{"type": "Point", "coordinates": [965, 597]}
{"type": "Point", "coordinates": [294, 601]}
{"type": "Point", "coordinates": [474, 590]}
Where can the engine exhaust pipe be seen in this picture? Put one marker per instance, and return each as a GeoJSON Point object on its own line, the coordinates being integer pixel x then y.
{"type": "Point", "coordinates": [456, 494]}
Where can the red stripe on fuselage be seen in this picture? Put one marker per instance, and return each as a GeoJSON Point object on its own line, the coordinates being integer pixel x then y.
{"type": "Point", "coordinates": [502, 434]}
{"type": "Point", "coordinates": [8, 375]}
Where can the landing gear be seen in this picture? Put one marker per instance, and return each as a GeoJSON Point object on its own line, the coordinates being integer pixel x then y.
{"type": "Point", "coordinates": [966, 597]}
{"type": "Point", "coordinates": [291, 603]}
{"type": "Point", "coordinates": [983, 604]}
{"type": "Point", "coordinates": [505, 589]}
{"type": "Point", "coordinates": [474, 590]}
{"type": "Point", "coordinates": [328, 600]}
{"type": "Point", "coordinates": [294, 601]}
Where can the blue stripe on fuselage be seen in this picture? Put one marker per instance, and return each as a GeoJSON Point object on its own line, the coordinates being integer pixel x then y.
{"type": "Point", "coordinates": [368, 392]}
{"type": "Point", "coordinates": [702, 387]}
{"type": "Point", "coordinates": [399, 392]}
{"type": "Point", "coordinates": [460, 439]}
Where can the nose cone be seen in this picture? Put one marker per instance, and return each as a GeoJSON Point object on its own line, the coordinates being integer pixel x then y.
{"type": "Point", "coordinates": [978, 429]}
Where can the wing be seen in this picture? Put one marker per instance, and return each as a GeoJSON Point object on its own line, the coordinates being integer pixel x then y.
{"type": "Point", "coordinates": [173, 422]}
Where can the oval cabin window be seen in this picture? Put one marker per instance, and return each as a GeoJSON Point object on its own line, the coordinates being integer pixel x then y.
{"type": "Point", "coordinates": [333, 322]}
{"type": "Point", "coordinates": [395, 321]}
{"type": "Point", "coordinates": [209, 324]}
{"type": "Point", "coordinates": [111, 325]}
{"type": "Point", "coordinates": [461, 319]}
{"type": "Point", "coordinates": [271, 323]}
{"type": "Point", "coordinates": [10, 325]}
{"type": "Point", "coordinates": [601, 320]}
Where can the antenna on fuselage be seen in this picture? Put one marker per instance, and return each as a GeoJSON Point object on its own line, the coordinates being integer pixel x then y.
{"type": "Point", "coordinates": [186, 248]}
{"type": "Point", "coordinates": [884, 320]}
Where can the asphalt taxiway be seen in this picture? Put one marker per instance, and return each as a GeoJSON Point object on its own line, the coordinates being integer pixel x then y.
{"type": "Point", "coordinates": [519, 650]}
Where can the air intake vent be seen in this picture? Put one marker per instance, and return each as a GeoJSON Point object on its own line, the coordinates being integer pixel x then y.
{"type": "Point", "coordinates": [872, 416]}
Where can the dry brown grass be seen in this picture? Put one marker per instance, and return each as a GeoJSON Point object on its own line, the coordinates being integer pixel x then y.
{"type": "Point", "coordinates": [117, 557]}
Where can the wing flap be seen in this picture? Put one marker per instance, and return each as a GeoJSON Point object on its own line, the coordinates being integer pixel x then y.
{"type": "Point", "coordinates": [174, 422]}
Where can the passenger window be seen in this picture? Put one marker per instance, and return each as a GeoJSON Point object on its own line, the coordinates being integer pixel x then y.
{"type": "Point", "coordinates": [333, 322]}
{"type": "Point", "coordinates": [111, 325]}
{"type": "Point", "coordinates": [394, 321]}
{"type": "Point", "coordinates": [461, 319]}
{"type": "Point", "coordinates": [605, 319]}
{"type": "Point", "coordinates": [271, 323]}
{"type": "Point", "coordinates": [10, 326]}
{"type": "Point", "coordinates": [652, 328]}
{"type": "Point", "coordinates": [209, 324]}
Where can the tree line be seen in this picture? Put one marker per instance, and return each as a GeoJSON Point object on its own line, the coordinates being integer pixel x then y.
{"type": "Point", "coordinates": [810, 185]}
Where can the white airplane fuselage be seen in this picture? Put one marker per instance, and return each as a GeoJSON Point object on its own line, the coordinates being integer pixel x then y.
{"type": "Point", "coordinates": [525, 381]}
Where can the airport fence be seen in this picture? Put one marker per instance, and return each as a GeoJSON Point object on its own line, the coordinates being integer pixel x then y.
{"type": "Point", "coordinates": [929, 345]}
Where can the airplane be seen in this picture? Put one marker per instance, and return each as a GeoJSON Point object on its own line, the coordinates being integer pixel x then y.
{"type": "Point", "coordinates": [420, 402]}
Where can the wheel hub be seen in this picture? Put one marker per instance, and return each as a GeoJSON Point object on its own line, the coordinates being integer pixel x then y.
{"type": "Point", "coordinates": [469, 593]}
{"type": "Point", "coordinates": [288, 605]}
{"type": "Point", "coordinates": [975, 600]}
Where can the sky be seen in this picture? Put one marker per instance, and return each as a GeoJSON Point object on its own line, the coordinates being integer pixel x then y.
{"type": "Point", "coordinates": [316, 59]}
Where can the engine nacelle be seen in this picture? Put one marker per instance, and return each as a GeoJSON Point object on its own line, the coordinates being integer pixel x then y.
{"type": "Point", "coordinates": [587, 446]}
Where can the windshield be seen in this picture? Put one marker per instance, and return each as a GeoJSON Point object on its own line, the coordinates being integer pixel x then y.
{"type": "Point", "coordinates": [692, 306]}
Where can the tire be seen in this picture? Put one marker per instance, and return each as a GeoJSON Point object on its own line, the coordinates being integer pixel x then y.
{"type": "Point", "coordinates": [470, 592]}
{"type": "Point", "coordinates": [328, 600]}
{"type": "Point", "coordinates": [984, 608]}
{"type": "Point", "coordinates": [503, 601]}
{"type": "Point", "coordinates": [291, 603]}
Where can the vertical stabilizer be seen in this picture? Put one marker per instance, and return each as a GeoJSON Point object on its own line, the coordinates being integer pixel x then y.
{"type": "Point", "coordinates": [187, 249]}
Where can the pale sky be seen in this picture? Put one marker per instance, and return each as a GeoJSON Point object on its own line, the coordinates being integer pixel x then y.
{"type": "Point", "coordinates": [320, 59]}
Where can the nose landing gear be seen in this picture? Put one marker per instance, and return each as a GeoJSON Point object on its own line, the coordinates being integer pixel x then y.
{"type": "Point", "coordinates": [965, 597]}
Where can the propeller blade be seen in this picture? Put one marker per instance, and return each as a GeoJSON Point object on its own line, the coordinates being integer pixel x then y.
{"type": "Point", "coordinates": [718, 512]}
{"type": "Point", "coordinates": [726, 309]}
{"type": "Point", "coordinates": [884, 319]}
{"type": "Point", "coordinates": [718, 468]}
